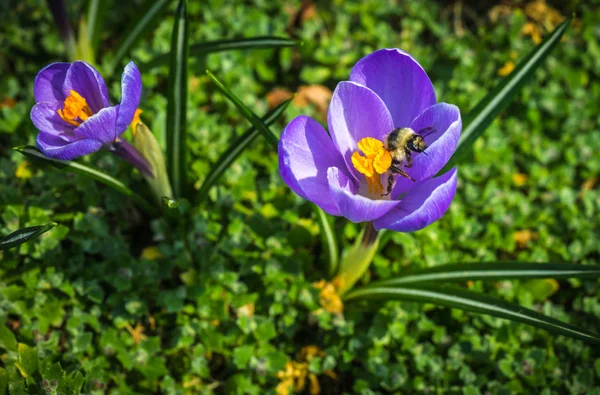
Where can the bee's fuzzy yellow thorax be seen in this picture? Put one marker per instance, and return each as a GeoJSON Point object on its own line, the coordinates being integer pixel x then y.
{"type": "Point", "coordinates": [375, 162]}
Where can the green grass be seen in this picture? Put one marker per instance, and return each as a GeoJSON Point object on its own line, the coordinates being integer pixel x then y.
{"type": "Point", "coordinates": [78, 292]}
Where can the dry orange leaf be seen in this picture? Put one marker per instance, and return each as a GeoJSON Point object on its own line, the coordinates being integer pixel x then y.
{"type": "Point", "coordinates": [308, 95]}
{"type": "Point", "coordinates": [317, 95]}
{"type": "Point", "coordinates": [8, 102]}
{"type": "Point", "coordinates": [278, 96]}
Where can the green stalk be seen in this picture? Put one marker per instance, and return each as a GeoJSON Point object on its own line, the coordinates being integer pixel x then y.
{"type": "Point", "coordinates": [357, 260]}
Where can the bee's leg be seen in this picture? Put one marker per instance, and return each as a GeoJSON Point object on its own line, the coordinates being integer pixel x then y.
{"type": "Point", "coordinates": [390, 185]}
{"type": "Point", "coordinates": [404, 174]}
{"type": "Point", "coordinates": [408, 159]}
{"type": "Point", "coordinates": [398, 170]}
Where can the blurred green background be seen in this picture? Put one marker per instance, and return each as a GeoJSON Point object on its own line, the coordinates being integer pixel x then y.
{"type": "Point", "coordinates": [220, 300]}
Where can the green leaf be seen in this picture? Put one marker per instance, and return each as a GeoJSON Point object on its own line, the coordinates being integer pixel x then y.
{"type": "Point", "coordinates": [208, 47]}
{"type": "Point", "coordinates": [242, 355]}
{"type": "Point", "coordinates": [480, 117]}
{"type": "Point", "coordinates": [3, 381]}
{"type": "Point", "coordinates": [250, 116]}
{"type": "Point", "coordinates": [8, 341]}
{"type": "Point", "coordinates": [24, 235]}
{"type": "Point", "coordinates": [28, 360]}
{"type": "Point", "coordinates": [75, 382]}
{"type": "Point", "coordinates": [177, 99]}
{"type": "Point", "coordinates": [235, 150]}
{"type": "Point", "coordinates": [493, 272]}
{"type": "Point", "coordinates": [16, 383]}
{"type": "Point", "coordinates": [149, 13]}
{"type": "Point", "coordinates": [53, 372]}
{"type": "Point", "coordinates": [457, 298]}
{"type": "Point", "coordinates": [95, 16]}
{"type": "Point", "coordinates": [77, 168]}
{"type": "Point", "coordinates": [329, 241]}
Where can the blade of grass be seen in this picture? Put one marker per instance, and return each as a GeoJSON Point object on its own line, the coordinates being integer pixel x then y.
{"type": "Point", "coordinates": [78, 168]}
{"type": "Point", "coordinates": [208, 47]}
{"type": "Point", "coordinates": [24, 235]}
{"type": "Point", "coordinates": [149, 12]}
{"type": "Point", "coordinates": [235, 149]}
{"type": "Point", "coordinates": [96, 14]}
{"type": "Point", "coordinates": [480, 117]}
{"type": "Point", "coordinates": [250, 116]}
{"type": "Point", "coordinates": [177, 102]}
{"type": "Point", "coordinates": [493, 272]}
{"type": "Point", "coordinates": [329, 241]}
{"type": "Point", "coordinates": [474, 302]}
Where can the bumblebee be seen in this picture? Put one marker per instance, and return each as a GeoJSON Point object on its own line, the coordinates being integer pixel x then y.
{"type": "Point", "coordinates": [401, 143]}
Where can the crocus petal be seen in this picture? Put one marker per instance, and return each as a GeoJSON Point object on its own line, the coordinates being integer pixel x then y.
{"type": "Point", "coordinates": [356, 208]}
{"type": "Point", "coordinates": [441, 144]}
{"type": "Point", "coordinates": [54, 147]}
{"type": "Point", "coordinates": [48, 83]}
{"type": "Point", "coordinates": [46, 119]}
{"type": "Point", "coordinates": [400, 82]}
{"type": "Point", "coordinates": [305, 153]}
{"type": "Point", "coordinates": [100, 126]}
{"type": "Point", "coordinates": [131, 92]}
{"type": "Point", "coordinates": [356, 112]}
{"type": "Point", "coordinates": [422, 205]}
{"type": "Point", "coordinates": [87, 81]}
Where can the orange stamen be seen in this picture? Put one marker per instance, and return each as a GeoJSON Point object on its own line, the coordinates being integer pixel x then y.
{"type": "Point", "coordinates": [75, 109]}
{"type": "Point", "coordinates": [377, 161]}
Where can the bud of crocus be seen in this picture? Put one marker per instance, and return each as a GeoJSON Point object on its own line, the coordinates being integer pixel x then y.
{"type": "Point", "coordinates": [146, 143]}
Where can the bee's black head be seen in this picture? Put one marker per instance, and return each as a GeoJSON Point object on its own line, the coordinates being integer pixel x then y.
{"type": "Point", "coordinates": [417, 144]}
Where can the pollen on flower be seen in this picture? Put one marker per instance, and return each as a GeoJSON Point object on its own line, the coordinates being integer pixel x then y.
{"type": "Point", "coordinates": [375, 162]}
{"type": "Point", "coordinates": [75, 109]}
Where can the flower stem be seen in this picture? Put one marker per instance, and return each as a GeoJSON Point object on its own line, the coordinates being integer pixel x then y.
{"type": "Point", "coordinates": [369, 235]}
{"type": "Point", "coordinates": [128, 152]}
{"type": "Point", "coordinates": [357, 260]}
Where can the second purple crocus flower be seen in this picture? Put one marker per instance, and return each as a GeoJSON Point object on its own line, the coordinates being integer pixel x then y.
{"type": "Point", "coordinates": [74, 115]}
{"type": "Point", "coordinates": [388, 89]}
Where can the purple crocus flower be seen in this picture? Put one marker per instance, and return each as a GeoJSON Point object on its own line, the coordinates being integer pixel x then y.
{"type": "Point", "coordinates": [343, 172]}
{"type": "Point", "coordinates": [74, 115]}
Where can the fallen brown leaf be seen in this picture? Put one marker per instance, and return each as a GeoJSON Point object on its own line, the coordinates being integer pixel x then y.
{"type": "Point", "coordinates": [317, 95]}
{"type": "Point", "coordinates": [278, 96]}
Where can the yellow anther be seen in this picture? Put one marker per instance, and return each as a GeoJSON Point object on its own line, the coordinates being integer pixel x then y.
{"type": "Point", "coordinates": [382, 161]}
{"type": "Point", "coordinates": [370, 146]}
{"type": "Point", "coordinates": [363, 164]}
{"type": "Point", "coordinates": [377, 161]}
{"type": "Point", "coordinates": [75, 109]}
